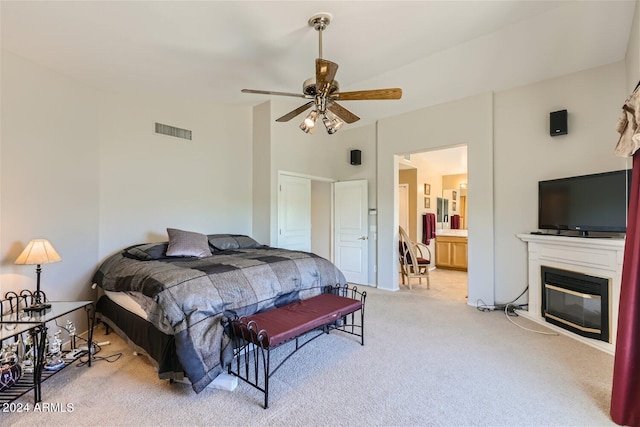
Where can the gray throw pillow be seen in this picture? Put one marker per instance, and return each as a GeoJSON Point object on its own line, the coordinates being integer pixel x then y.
{"type": "Point", "coordinates": [147, 251]}
{"type": "Point", "coordinates": [187, 243]}
{"type": "Point", "coordinates": [224, 242]}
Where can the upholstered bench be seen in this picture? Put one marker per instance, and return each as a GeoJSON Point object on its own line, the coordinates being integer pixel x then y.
{"type": "Point", "coordinates": [255, 336]}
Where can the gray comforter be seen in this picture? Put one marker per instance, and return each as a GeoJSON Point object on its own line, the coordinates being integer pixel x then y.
{"type": "Point", "coordinates": [194, 294]}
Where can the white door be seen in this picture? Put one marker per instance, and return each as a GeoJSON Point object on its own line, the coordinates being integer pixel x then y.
{"type": "Point", "coordinates": [294, 213]}
{"type": "Point", "coordinates": [351, 230]}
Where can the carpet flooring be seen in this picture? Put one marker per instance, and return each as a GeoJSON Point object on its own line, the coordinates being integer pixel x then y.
{"type": "Point", "coordinates": [429, 359]}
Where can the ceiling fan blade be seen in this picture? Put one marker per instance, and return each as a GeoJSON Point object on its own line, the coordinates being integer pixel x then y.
{"type": "Point", "coordinates": [343, 113]}
{"type": "Point", "coordinates": [295, 112]}
{"type": "Point", "coordinates": [391, 93]}
{"type": "Point", "coordinates": [325, 74]}
{"type": "Point", "coordinates": [269, 92]}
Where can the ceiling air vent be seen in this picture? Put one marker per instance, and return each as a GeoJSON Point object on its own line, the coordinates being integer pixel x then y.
{"type": "Point", "coordinates": [173, 131]}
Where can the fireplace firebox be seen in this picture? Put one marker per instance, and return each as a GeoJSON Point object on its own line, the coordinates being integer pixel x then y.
{"type": "Point", "coordinates": [576, 302]}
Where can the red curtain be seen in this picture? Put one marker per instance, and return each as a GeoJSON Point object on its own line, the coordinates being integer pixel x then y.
{"type": "Point", "coordinates": [625, 395]}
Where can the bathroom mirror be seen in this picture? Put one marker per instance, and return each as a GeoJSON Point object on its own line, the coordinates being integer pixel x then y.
{"type": "Point", "coordinates": [442, 212]}
{"type": "Point", "coordinates": [452, 206]}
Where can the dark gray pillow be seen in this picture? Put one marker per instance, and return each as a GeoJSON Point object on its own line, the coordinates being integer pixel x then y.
{"type": "Point", "coordinates": [224, 242]}
{"type": "Point", "coordinates": [147, 251]}
{"type": "Point", "coordinates": [187, 243]}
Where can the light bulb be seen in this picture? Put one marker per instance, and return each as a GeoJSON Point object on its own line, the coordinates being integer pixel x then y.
{"type": "Point", "coordinates": [309, 122]}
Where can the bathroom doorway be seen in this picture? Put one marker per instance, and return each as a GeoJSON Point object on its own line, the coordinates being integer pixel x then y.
{"type": "Point", "coordinates": [437, 183]}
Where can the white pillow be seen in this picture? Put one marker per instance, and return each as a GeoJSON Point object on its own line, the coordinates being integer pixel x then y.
{"type": "Point", "coordinates": [187, 243]}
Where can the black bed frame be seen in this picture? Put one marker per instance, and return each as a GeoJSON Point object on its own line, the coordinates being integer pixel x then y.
{"type": "Point", "coordinates": [144, 336]}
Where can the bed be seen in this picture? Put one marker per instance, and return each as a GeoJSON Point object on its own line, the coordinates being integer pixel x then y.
{"type": "Point", "coordinates": [167, 299]}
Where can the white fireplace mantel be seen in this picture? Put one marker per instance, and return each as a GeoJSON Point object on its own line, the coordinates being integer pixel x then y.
{"type": "Point", "coordinates": [599, 257]}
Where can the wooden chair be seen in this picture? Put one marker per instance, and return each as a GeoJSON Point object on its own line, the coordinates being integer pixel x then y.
{"type": "Point", "coordinates": [415, 259]}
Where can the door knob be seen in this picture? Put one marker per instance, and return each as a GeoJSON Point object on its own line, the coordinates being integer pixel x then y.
{"type": "Point", "coordinates": [362, 238]}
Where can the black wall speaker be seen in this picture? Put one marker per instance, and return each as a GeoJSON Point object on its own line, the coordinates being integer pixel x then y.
{"type": "Point", "coordinates": [356, 157]}
{"type": "Point", "coordinates": [558, 123]}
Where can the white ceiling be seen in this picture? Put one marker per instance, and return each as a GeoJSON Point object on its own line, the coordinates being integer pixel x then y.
{"type": "Point", "coordinates": [446, 161]}
{"type": "Point", "coordinates": [435, 51]}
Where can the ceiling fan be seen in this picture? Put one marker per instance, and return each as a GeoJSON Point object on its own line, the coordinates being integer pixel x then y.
{"type": "Point", "coordinates": [324, 91]}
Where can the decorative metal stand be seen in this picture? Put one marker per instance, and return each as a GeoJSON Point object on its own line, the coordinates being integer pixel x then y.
{"type": "Point", "coordinates": [26, 301]}
{"type": "Point", "coordinates": [24, 332]}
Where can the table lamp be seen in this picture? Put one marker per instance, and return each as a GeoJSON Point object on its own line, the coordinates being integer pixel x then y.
{"type": "Point", "coordinates": [38, 251]}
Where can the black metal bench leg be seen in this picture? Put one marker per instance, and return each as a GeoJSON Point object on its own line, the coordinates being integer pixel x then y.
{"type": "Point", "coordinates": [362, 325]}
{"type": "Point", "coordinates": [266, 379]}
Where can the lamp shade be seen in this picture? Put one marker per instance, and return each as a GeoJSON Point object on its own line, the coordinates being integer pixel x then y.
{"type": "Point", "coordinates": [38, 251]}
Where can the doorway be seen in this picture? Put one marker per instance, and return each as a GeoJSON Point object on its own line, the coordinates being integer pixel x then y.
{"type": "Point", "coordinates": [328, 218]}
{"type": "Point", "coordinates": [304, 213]}
{"type": "Point", "coordinates": [294, 213]}
{"type": "Point", "coordinates": [439, 180]}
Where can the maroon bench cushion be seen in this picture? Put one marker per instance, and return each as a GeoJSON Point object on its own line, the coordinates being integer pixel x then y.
{"type": "Point", "coordinates": [295, 319]}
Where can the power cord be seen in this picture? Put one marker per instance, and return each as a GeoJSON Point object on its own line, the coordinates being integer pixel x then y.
{"type": "Point", "coordinates": [482, 306]}
{"type": "Point", "coordinates": [110, 359]}
{"type": "Point", "coordinates": [92, 350]}
{"type": "Point", "coordinates": [509, 311]}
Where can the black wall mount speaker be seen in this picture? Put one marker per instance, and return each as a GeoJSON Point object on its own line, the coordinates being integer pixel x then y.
{"type": "Point", "coordinates": [558, 123]}
{"type": "Point", "coordinates": [356, 157]}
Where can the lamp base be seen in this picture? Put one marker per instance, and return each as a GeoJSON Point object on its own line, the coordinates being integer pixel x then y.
{"type": "Point", "coordinates": [39, 306]}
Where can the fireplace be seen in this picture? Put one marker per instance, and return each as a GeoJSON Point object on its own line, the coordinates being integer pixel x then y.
{"type": "Point", "coordinates": [576, 302]}
{"type": "Point", "coordinates": [598, 258]}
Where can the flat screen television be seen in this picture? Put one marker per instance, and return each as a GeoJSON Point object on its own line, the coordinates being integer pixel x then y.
{"type": "Point", "coordinates": [596, 202]}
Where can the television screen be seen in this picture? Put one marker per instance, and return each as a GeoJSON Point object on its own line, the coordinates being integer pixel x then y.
{"type": "Point", "coordinates": [596, 202]}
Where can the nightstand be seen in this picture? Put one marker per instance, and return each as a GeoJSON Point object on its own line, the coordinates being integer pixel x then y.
{"type": "Point", "coordinates": [35, 324]}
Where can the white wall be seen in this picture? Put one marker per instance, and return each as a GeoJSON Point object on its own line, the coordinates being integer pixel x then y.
{"type": "Point", "coordinates": [50, 177]}
{"type": "Point", "coordinates": [149, 182]}
{"type": "Point", "coordinates": [84, 169]}
{"type": "Point", "coordinates": [632, 58]}
{"type": "Point", "coordinates": [261, 155]}
{"type": "Point", "coordinates": [467, 121]}
{"type": "Point", "coordinates": [525, 153]}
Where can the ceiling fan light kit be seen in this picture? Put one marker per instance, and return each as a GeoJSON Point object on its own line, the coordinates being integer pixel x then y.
{"type": "Point", "coordinates": [323, 91]}
{"type": "Point", "coordinates": [309, 123]}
